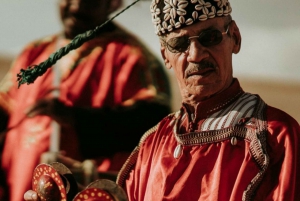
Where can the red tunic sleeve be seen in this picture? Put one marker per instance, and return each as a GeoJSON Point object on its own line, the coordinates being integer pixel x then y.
{"type": "Point", "coordinates": [283, 175]}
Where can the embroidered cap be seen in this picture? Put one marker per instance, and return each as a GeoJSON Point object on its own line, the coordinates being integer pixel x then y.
{"type": "Point", "coordinates": [168, 15]}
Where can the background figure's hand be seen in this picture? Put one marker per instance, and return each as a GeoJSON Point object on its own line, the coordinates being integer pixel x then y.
{"type": "Point", "coordinates": [31, 196]}
{"type": "Point", "coordinates": [53, 108]}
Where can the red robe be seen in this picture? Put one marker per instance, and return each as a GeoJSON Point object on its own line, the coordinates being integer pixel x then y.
{"type": "Point", "coordinates": [111, 70]}
{"type": "Point", "coordinates": [235, 148]}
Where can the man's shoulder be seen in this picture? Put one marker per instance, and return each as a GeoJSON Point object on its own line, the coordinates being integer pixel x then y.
{"type": "Point", "coordinates": [276, 115]}
{"type": "Point", "coordinates": [273, 115]}
{"type": "Point", "coordinates": [41, 41]}
{"type": "Point", "coordinates": [281, 125]}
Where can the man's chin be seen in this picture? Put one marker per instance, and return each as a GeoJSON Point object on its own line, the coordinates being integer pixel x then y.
{"type": "Point", "coordinates": [72, 32]}
{"type": "Point", "coordinates": [201, 92]}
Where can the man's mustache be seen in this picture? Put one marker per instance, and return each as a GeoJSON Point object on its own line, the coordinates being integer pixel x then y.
{"type": "Point", "coordinates": [199, 66]}
{"type": "Point", "coordinates": [79, 16]}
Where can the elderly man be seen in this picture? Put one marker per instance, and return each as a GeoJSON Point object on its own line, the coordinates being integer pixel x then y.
{"type": "Point", "coordinates": [224, 143]}
{"type": "Point", "coordinates": [110, 91]}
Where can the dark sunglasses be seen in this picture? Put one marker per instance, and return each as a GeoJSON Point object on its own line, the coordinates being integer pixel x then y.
{"type": "Point", "coordinates": [206, 38]}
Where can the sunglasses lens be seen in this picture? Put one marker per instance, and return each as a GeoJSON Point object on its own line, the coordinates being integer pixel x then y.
{"type": "Point", "coordinates": [210, 38]}
{"type": "Point", "coordinates": [178, 44]}
{"type": "Point", "coordinates": [206, 38]}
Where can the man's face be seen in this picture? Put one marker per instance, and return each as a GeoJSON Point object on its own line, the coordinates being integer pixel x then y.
{"type": "Point", "coordinates": [203, 71]}
{"type": "Point", "coordinates": [79, 16]}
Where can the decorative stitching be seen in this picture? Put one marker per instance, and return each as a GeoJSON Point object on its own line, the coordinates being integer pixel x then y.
{"type": "Point", "coordinates": [258, 149]}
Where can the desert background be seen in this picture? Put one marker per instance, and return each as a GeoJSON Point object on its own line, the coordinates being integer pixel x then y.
{"type": "Point", "coordinates": [268, 64]}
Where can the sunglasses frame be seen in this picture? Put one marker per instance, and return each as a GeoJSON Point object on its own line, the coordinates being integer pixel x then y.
{"type": "Point", "coordinates": [171, 49]}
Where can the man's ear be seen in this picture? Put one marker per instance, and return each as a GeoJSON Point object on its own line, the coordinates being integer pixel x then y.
{"type": "Point", "coordinates": [163, 52]}
{"type": "Point", "coordinates": [114, 5]}
{"type": "Point", "coordinates": [236, 35]}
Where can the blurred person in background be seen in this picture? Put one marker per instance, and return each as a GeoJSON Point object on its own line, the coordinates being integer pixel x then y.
{"type": "Point", "coordinates": [100, 98]}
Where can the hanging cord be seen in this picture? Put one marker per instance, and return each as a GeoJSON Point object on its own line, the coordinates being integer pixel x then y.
{"type": "Point", "coordinates": [30, 74]}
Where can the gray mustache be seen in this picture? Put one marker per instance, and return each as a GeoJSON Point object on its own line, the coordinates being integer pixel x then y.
{"type": "Point", "coordinates": [199, 66]}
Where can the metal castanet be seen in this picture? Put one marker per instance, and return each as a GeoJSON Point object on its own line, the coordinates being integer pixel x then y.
{"type": "Point", "coordinates": [94, 194]}
{"type": "Point", "coordinates": [111, 187]}
{"type": "Point", "coordinates": [55, 182]}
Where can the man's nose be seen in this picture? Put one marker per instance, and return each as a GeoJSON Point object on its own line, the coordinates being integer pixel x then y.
{"type": "Point", "coordinates": [75, 5]}
{"type": "Point", "coordinates": [196, 52]}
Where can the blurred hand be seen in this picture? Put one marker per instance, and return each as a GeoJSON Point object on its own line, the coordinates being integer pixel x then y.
{"type": "Point", "coordinates": [31, 196]}
{"type": "Point", "coordinates": [53, 108]}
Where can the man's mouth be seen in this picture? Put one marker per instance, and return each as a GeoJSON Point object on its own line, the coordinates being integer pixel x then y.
{"type": "Point", "coordinates": [203, 72]}
{"type": "Point", "coordinates": [201, 69]}
{"type": "Point", "coordinates": [78, 18]}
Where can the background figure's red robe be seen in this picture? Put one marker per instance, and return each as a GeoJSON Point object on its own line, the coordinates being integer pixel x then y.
{"type": "Point", "coordinates": [237, 148]}
{"type": "Point", "coordinates": [111, 70]}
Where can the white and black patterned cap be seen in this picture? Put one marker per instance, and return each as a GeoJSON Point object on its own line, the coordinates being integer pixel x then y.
{"type": "Point", "coordinates": [168, 15]}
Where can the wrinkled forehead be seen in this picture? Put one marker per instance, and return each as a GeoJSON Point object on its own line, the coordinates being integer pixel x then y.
{"type": "Point", "coordinates": [169, 15]}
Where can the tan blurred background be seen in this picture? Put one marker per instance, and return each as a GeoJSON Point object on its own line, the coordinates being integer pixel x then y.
{"type": "Point", "coordinates": [5, 62]}
{"type": "Point", "coordinates": [268, 64]}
